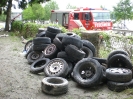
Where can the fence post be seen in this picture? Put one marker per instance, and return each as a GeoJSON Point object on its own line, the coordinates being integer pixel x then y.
{"type": "Point", "coordinates": [93, 37]}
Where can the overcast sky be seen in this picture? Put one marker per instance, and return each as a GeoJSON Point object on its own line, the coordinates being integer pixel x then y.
{"type": "Point", "coordinates": [88, 3]}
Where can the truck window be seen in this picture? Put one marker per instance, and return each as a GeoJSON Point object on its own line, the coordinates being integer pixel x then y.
{"type": "Point", "coordinates": [76, 16]}
{"type": "Point", "coordinates": [87, 16]}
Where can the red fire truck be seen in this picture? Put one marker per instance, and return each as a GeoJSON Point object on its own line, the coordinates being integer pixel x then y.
{"type": "Point", "coordinates": [88, 18]}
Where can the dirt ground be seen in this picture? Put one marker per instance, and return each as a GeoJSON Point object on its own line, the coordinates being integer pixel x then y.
{"type": "Point", "coordinates": [16, 82]}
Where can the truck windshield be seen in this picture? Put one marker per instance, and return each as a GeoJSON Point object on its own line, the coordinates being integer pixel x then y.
{"type": "Point", "coordinates": [101, 16]}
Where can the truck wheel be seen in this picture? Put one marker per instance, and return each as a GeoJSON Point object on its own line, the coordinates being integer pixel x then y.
{"type": "Point", "coordinates": [118, 87]}
{"type": "Point", "coordinates": [117, 52]}
{"type": "Point", "coordinates": [119, 74]}
{"type": "Point", "coordinates": [38, 66]}
{"type": "Point", "coordinates": [57, 67]}
{"type": "Point", "coordinates": [87, 72]}
{"type": "Point", "coordinates": [74, 53]}
{"type": "Point", "coordinates": [41, 40]}
{"type": "Point", "coordinates": [88, 52]}
{"type": "Point", "coordinates": [119, 60]}
{"type": "Point", "coordinates": [72, 40]}
{"type": "Point", "coordinates": [33, 56]}
{"type": "Point", "coordinates": [90, 46]}
{"type": "Point", "coordinates": [54, 85]}
{"type": "Point", "coordinates": [53, 29]}
{"type": "Point", "coordinates": [50, 51]}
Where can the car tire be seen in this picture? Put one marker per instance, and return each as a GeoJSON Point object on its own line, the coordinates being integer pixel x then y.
{"type": "Point", "coordinates": [87, 72]}
{"type": "Point", "coordinates": [119, 74]}
{"type": "Point", "coordinates": [118, 87]}
{"type": "Point", "coordinates": [54, 85]}
{"type": "Point", "coordinates": [57, 67]}
{"type": "Point", "coordinates": [119, 60]}
{"type": "Point", "coordinates": [38, 66]}
{"type": "Point", "coordinates": [33, 56]}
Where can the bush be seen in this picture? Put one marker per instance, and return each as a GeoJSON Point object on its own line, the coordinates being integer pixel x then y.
{"type": "Point", "coordinates": [3, 17]}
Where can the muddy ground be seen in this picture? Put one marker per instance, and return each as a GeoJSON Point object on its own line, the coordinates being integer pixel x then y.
{"type": "Point", "coordinates": [16, 82]}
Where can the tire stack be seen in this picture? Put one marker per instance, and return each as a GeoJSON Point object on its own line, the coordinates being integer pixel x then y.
{"type": "Point", "coordinates": [119, 71]}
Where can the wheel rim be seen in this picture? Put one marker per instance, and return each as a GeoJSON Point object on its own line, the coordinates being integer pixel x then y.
{"type": "Point", "coordinates": [55, 67]}
{"type": "Point", "coordinates": [119, 70]}
{"type": "Point", "coordinates": [50, 49]}
{"type": "Point", "coordinates": [35, 56]}
{"type": "Point", "coordinates": [87, 71]}
{"type": "Point", "coordinates": [28, 46]}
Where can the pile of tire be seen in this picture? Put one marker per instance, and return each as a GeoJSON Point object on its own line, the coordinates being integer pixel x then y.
{"type": "Point", "coordinates": [119, 71]}
{"type": "Point", "coordinates": [66, 55]}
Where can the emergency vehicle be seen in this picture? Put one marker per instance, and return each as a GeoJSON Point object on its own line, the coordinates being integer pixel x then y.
{"type": "Point", "coordinates": [88, 18]}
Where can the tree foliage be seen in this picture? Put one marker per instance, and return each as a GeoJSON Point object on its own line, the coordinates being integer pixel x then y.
{"type": "Point", "coordinates": [51, 5]}
{"type": "Point", "coordinates": [34, 12]}
{"type": "Point", "coordinates": [69, 6]}
{"type": "Point", "coordinates": [8, 5]}
{"type": "Point", "coordinates": [123, 10]}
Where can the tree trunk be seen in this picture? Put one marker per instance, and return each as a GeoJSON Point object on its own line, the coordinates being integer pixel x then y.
{"type": "Point", "coordinates": [8, 17]}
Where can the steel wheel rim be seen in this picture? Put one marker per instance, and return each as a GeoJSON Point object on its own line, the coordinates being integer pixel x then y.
{"type": "Point", "coordinates": [55, 67]}
{"type": "Point", "coordinates": [119, 70]}
{"type": "Point", "coordinates": [50, 49]}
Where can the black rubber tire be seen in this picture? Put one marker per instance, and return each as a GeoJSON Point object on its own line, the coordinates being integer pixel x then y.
{"type": "Point", "coordinates": [87, 72]}
{"type": "Point", "coordinates": [70, 69]}
{"type": "Point", "coordinates": [90, 46]}
{"type": "Point", "coordinates": [118, 87]}
{"type": "Point", "coordinates": [119, 60]}
{"type": "Point", "coordinates": [73, 35]}
{"type": "Point", "coordinates": [103, 76]}
{"type": "Point", "coordinates": [53, 29]}
{"type": "Point", "coordinates": [61, 35]}
{"type": "Point", "coordinates": [117, 52]}
{"type": "Point", "coordinates": [28, 45]}
{"type": "Point", "coordinates": [63, 55]}
{"type": "Point", "coordinates": [102, 61]}
{"type": "Point", "coordinates": [41, 34]}
{"type": "Point", "coordinates": [72, 40]}
{"type": "Point", "coordinates": [54, 85]}
{"type": "Point", "coordinates": [88, 52]}
{"type": "Point", "coordinates": [58, 43]}
{"type": "Point", "coordinates": [41, 40]}
{"type": "Point", "coordinates": [119, 74]}
{"type": "Point", "coordinates": [50, 35]}
{"type": "Point", "coordinates": [50, 51]}
{"type": "Point", "coordinates": [74, 53]}
{"type": "Point", "coordinates": [30, 50]}
{"type": "Point", "coordinates": [40, 47]}
{"type": "Point", "coordinates": [41, 30]}
{"type": "Point", "coordinates": [38, 66]}
{"type": "Point", "coordinates": [59, 67]}
{"type": "Point", "coordinates": [33, 56]}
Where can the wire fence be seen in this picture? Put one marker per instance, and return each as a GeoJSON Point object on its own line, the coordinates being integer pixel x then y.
{"type": "Point", "coordinates": [117, 41]}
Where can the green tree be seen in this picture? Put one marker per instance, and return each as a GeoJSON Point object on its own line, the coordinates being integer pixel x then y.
{"type": "Point", "coordinates": [123, 10]}
{"type": "Point", "coordinates": [69, 6]}
{"type": "Point", "coordinates": [8, 4]}
{"type": "Point", "coordinates": [28, 14]}
{"type": "Point", "coordinates": [38, 11]}
{"type": "Point", "coordinates": [51, 5]}
{"type": "Point", "coordinates": [34, 12]}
